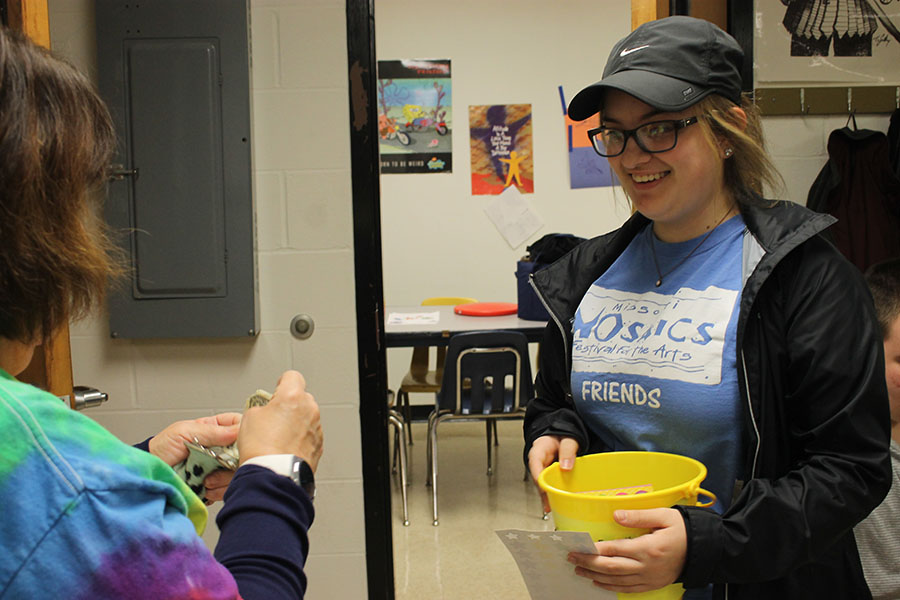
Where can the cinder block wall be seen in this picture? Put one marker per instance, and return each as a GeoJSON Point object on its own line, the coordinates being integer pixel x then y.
{"type": "Point", "coordinates": [304, 234]}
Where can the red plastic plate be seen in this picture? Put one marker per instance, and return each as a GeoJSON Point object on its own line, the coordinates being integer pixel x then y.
{"type": "Point", "coordinates": [486, 309]}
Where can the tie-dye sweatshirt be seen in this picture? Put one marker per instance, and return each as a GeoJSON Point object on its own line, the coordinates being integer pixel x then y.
{"type": "Point", "coordinates": [85, 516]}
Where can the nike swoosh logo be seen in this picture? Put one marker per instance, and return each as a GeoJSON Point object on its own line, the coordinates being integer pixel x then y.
{"type": "Point", "coordinates": [630, 50]}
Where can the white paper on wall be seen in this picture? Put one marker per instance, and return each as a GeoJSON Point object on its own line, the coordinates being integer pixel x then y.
{"type": "Point", "coordinates": [512, 217]}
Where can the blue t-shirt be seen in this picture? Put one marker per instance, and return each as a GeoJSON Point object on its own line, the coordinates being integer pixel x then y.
{"type": "Point", "coordinates": [653, 368]}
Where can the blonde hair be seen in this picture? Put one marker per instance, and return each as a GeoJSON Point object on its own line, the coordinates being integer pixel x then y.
{"type": "Point", "coordinates": [750, 170]}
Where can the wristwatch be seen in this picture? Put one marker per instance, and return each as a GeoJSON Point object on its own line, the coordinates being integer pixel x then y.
{"type": "Point", "coordinates": [293, 467]}
{"type": "Point", "coordinates": [302, 475]}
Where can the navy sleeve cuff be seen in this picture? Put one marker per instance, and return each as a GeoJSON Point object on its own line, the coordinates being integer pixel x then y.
{"type": "Point", "coordinates": [263, 537]}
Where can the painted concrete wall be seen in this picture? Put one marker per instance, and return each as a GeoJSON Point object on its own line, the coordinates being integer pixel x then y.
{"type": "Point", "coordinates": [304, 233]}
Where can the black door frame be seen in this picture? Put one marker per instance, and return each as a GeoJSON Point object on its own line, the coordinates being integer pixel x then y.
{"type": "Point", "coordinates": [362, 75]}
{"type": "Point", "coordinates": [369, 297]}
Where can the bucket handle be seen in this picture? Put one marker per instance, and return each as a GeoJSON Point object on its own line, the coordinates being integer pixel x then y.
{"type": "Point", "coordinates": [702, 492]}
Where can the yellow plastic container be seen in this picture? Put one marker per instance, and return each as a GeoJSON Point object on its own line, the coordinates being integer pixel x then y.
{"type": "Point", "coordinates": [585, 498]}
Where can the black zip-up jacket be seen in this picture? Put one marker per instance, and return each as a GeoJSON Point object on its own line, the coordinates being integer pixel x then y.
{"type": "Point", "coordinates": [815, 409]}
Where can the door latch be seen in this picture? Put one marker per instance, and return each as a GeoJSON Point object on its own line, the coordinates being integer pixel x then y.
{"type": "Point", "coordinates": [88, 397]}
{"type": "Point", "coordinates": [118, 173]}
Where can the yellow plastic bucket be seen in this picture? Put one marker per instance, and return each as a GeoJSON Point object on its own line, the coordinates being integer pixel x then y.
{"type": "Point", "coordinates": [585, 498]}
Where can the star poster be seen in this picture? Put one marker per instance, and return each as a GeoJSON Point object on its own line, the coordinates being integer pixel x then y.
{"type": "Point", "coordinates": [500, 143]}
{"type": "Point", "coordinates": [541, 558]}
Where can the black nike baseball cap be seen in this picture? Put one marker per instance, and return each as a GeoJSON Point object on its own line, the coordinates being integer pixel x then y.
{"type": "Point", "coordinates": [670, 64]}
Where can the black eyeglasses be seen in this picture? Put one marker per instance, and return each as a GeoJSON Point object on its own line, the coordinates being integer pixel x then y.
{"type": "Point", "coordinates": [658, 136]}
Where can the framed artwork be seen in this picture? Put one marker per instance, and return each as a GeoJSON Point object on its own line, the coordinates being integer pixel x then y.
{"type": "Point", "coordinates": [826, 41]}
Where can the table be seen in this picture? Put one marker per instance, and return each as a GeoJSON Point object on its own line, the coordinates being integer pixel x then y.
{"type": "Point", "coordinates": [438, 334]}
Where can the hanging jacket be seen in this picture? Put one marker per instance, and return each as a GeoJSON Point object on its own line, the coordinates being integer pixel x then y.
{"type": "Point", "coordinates": [859, 187]}
{"type": "Point", "coordinates": [894, 143]}
{"type": "Point", "coordinates": [815, 409]}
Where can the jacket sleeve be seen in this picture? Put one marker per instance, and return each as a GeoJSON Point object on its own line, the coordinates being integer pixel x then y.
{"type": "Point", "coordinates": [551, 411]}
{"type": "Point", "coordinates": [264, 534]}
{"type": "Point", "coordinates": [814, 360]}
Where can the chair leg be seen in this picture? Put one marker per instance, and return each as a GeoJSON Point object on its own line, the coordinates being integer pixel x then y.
{"type": "Point", "coordinates": [432, 443]}
{"type": "Point", "coordinates": [398, 433]}
{"type": "Point", "coordinates": [406, 411]}
{"type": "Point", "coordinates": [404, 481]}
{"type": "Point", "coordinates": [431, 418]}
{"type": "Point", "coordinates": [496, 437]}
{"type": "Point", "coordinates": [487, 431]}
{"type": "Point", "coordinates": [401, 439]}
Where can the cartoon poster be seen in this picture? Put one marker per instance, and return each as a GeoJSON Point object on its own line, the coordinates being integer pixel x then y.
{"type": "Point", "coordinates": [841, 41]}
{"type": "Point", "coordinates": [586, 167]}
{"type": "Point", "coordinates": [500, 143]}
{"type": "Point", "coordinates": [414, 116]}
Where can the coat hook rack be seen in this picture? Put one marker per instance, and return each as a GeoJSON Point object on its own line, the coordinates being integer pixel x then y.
{"type": "Point", "coordinates": [827, 100]}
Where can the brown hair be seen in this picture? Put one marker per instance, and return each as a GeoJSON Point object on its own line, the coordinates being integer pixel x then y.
{"type": "Point", "coordinates": [56, 142]}
{"type": "Point", "coordinates": [884, 283]}
{"type": "Point", "coordinates": [749, 170]}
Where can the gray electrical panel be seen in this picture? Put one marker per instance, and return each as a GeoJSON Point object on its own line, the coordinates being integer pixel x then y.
{"type": "Point", "coordinates": [176, 76]}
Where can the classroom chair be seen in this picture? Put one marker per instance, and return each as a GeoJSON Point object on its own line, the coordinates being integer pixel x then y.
{"type": "Point", "coordinates": [487, 376]}
{"type": "Point", "coordinates": [420, 379]}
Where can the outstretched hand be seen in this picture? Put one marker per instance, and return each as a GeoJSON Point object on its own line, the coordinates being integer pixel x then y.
{"type": "Point", "coordinates": [546, 450]}
{"type": "Point", "coordinates": [218, 430]}
{"type": "Point", "coordinates": [641, 564]}
{"type": "Point", "coordinates": [288, 424]}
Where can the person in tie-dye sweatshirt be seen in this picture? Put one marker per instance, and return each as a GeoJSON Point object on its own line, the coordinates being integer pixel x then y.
{"type": "Point", "coordinates": [84, 515]}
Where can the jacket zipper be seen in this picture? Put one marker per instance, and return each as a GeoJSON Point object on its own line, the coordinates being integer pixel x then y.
{"type": "Point", "coordinates": [752, 416]}
{"type": "Point", "coordinates": [755, 430]}
{"type": "Point", "coordinates": [552, 314]}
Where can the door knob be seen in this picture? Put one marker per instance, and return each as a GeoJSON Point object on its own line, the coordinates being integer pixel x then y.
{"type": "Point", "coordinates": [87, 397]}
{"type": "Point", "coordinates": [302, 326]}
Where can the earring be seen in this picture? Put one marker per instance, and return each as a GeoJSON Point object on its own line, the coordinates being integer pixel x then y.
{"type": "Point", "coordinates": [728, 152]}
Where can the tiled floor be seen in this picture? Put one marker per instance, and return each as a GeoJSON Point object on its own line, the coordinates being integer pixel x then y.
{"type": "Point", "coordinates": [462, 557]}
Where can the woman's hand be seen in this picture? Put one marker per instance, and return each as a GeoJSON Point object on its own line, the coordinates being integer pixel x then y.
{"type": "Point", "coordinates": [641, 564]}
{"type": "Point", "coordinates": [216, 484]}
{"type": "Point", "coordinates": [289, 424]}
{"type": "Point", "coordinates": [219, 430]}
{"type": "Point", "coordinates": [546, 450]}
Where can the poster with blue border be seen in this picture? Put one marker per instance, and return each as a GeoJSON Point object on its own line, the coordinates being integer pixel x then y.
{"type": "Point", "coordinates": [586, 167]}
{"type": "Point", "coordinates": [414, 116]}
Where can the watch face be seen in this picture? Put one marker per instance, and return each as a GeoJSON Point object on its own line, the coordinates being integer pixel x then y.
{"type": "Point", "coordinates": [303, 476]}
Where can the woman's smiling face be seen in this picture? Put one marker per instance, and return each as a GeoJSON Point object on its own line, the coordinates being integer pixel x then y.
{"type": "Point", "coordinates": [680, 190]}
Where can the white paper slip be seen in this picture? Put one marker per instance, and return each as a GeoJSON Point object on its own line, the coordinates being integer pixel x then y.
{"type": "Point", "coordinates": [511, 216]}
{"type": "Point", "coordinates": [541, 558]}
{"type": "Point", "coordinates": [418, 318]}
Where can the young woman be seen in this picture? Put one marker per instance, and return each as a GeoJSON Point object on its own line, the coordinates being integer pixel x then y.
{"type": "Point", "coordinates": [715, 324]}
{"type": "Point", "coordinates": [85, 515]}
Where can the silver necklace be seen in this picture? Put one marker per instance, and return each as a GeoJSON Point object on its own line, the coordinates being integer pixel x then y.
{"type": "Point", "coordinates": [659, 273]}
